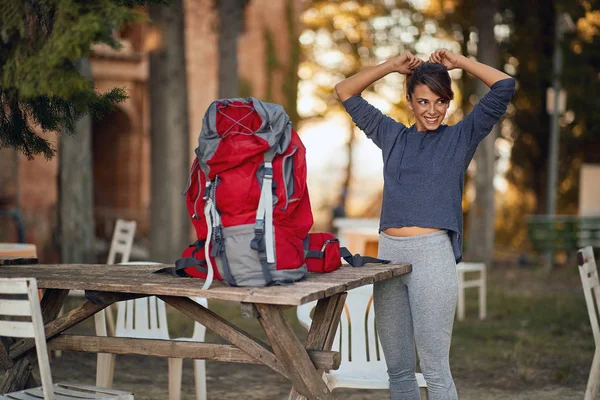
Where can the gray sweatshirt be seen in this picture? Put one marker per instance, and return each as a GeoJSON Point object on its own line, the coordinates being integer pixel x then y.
{"type": "Point", "coordinates": [424, 171]}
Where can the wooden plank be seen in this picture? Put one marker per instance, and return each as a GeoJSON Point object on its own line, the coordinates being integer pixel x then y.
{"type": "Point", "coordinates": [15, 307]}
{"type": "Point", "coordinates": [326, 319]}
{"type": "Point", "coordinates": [5, 360]}
{"type": "Point", "coordinates": [20, 329]}
{"type": "Point", "coordinates": [17, 377]}
{"type": "Point", "coordinates": [248, 310]}
{"type": "Point", "coordinates": [254, 347]}
{"type": "Point", "coordinates": [57, 326]}
{"type": "Point", "coordinates": [97, 297]}
{"type": "Point", "coordinates": [174, 349]}
{"type": "Point", "coordinates": [140, 279]}
{"type": "Point", "coordinates": [292, 354]}
{"type": "Point", "coordinates": [325, 322]}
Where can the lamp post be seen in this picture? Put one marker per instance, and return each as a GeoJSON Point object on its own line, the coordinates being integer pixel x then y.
{"type": "Point", "coordinates": [555, 103]}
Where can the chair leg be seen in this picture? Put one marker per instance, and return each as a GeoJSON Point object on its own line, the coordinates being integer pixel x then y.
{"type": "Point", "coordinates": [482, 296]}
{"type": "Point", "coordinates": [58, 353]}
{"type": "Point", "coordinates": [200, 378]}
{"type": "Point", "coordinates": [594, 379]}
{"type": "Point", "coordinates": [175, 371]}
{"type": "Point", "coordinates": [105, 370]}
{"type": "Point", "coordinates": [461, 296]}
{"type": "Point", "coordinates": [110, 320]}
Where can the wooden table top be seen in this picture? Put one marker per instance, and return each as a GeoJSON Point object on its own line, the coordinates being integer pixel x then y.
{"type": "Point", "coordinates": [140, 279]}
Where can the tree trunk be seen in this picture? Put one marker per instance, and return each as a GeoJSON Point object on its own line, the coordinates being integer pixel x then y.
{"type": "Point", "coordinates": [169, 135]}
{"type": "Point", "coordinates": [231, 23]}
{"type": "Point", "coordinates": [480, 239]}
{"type": "Point", "coordinates": [76, 189]}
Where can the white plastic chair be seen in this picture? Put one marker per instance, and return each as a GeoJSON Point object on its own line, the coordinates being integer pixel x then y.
{"type": "Point", "coordinates": [480, 282]}
{"type": "Point", "coordinates": [122, 241]}
{"type": "Point", "coordinates": [120, 245]}
{"type": "Point", "coordinates": [30, 307]}
{"type": "Point", "coordinates": [175, 364]}
{"type": "Point", "coordinates": [146, 318]}
{"type": "Point", "coordinates": [363, 364]}
{"type": "Point", "coordinates": [591, 291]}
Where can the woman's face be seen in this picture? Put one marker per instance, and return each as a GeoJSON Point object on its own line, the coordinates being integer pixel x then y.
{"type": "Point", "coordinates": [429, 108]}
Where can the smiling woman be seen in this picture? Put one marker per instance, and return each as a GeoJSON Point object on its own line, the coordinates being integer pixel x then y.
{"type": "Point", "coordinates": [421, 217]}
{"type": "Point", "coordinates": [429, 91]}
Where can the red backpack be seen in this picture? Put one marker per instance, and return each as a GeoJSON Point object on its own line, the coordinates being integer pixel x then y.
{"type": "Point", "coordinates": [247, 197]}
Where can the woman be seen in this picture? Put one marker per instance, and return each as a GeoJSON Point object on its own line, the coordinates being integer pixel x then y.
{"type": "Point", "coordinates": [421, 216]}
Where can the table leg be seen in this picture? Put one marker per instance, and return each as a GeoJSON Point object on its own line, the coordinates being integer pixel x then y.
{"type": "Point", "coordinates": [18, 376]}
{"type": "Point", "coordinates": [292, 354]}
{"type": "Point", "coordinates": [322, 331]}
{"type": "Point", "coordinates": [227, 331]}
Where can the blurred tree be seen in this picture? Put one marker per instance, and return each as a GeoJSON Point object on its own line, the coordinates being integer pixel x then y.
{"type": "Point", "coordinates": [339, 40]}
{"type": "Point", "coordinates": [530, 50]}
{"type": "Point", "coordinates": [474, 25]}
{"type": "Point", "coordinates": [41, 88]}
{"type": "Point", "coordinates": [526, 48]}
{"type": "Point", "coordinates": [76, 223]}
{"type": "Point", "coordinates": [231, 23]}
{"type": "Point", "coordinates": [46, 87]}
{"type": "Point", "coordinates": [480, 233]}
{"type": "Point", "coordinates": [169, 133]}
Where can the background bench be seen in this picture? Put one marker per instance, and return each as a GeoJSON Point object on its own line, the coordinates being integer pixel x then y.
{"type": "Point", "coordinates": [562, 234]}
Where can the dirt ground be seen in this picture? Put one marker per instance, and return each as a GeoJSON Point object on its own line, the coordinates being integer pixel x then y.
{"type": "Point", "coordinates": [147, 377]}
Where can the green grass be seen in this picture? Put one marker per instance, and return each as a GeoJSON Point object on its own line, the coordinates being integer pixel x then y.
{"type": "Point", "coordinates": [537, 332]}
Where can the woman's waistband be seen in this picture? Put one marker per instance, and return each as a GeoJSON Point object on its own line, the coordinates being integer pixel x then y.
{"type": "Point", "coordinates": [419, 240]}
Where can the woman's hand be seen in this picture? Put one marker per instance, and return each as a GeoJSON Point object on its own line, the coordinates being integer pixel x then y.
{"type": "Point", "coordinates": [405, 63]}
{"type": "Point", "coordinates": [445, 57]}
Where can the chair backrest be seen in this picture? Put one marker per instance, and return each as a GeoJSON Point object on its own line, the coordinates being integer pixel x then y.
{"type": "Point", "coordinates": [122, 241]}
{"type": "Point", "coordinates": [591, 287]}
{"type": "Point", "coordinates": [19, 299]}
{"type": "Point", "coordinates": [356, 338]}
{"type": "Point", "coordinates": [199, 329]}
{"type": "Point", "coordinates": [470, 266]}
{"type": "Point", "coordinates": [142, 318]}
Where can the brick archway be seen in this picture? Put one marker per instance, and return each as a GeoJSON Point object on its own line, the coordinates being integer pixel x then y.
{"type": "Point", "coordinates": [116, 159]}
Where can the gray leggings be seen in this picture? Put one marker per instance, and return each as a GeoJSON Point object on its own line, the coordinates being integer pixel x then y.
{"type": "Point", "coordinates": [418, 309]}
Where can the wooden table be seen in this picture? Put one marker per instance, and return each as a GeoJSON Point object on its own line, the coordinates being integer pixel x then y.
{"type": "Point", "coordinates": [18, 250]}
{"type": "Point", "coordinates": [302, 364]}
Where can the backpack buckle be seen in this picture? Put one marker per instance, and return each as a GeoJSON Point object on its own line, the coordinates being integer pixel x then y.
{"type": "Point", "coordinates": [207, 191]}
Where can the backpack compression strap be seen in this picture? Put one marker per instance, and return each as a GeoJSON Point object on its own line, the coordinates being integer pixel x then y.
{"type": "Point", "coordinates": [264, 236]}
{"type": "Point", "coordinates": [354, 260]}
{"type": "Point", "coordinates": [187, 262]}
{"type": "Point", "coordinates": [215, 234]}
{"type": "Point", "coordinates": [359, 261]}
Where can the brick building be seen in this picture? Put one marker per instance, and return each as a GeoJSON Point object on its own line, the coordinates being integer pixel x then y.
{"type": "Point", "coordinates": [121, 142]}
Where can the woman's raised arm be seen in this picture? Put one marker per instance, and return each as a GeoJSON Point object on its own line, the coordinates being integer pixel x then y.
{"type": "Point", "coordinates": [403, 64]}
{"type": "Point", "coordinates": [483, 72]}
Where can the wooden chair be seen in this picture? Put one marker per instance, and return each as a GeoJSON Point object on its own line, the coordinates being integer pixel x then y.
{"type": "Point", "coordinates": [363, 364]}
{"type": "Point", "coordinates": [147, 318]}
{"type": "Point", "coordinates": [480, 283]}
{"type": "Point", "coordinates": [15, 305]}
{"type": "Point", "coordinates": [591, 291]}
